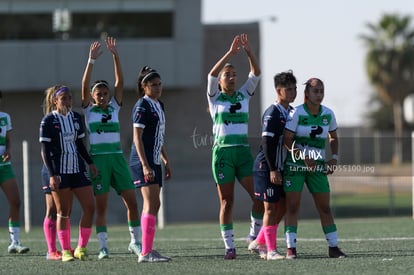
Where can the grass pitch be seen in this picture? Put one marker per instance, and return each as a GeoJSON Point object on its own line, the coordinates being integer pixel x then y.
{"type": "Point", "coordinates": [373, 246]}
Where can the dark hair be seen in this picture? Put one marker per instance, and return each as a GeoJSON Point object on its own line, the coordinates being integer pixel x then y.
{"type": "Point", "coordinates": [308, 83]}
{"type": "Point", "coordinates": [228, 65]}
{"type": "Point", "coordinates": [99, 83]}
{"type": "Point", "coordinates": [146, 74]}
{"type": "Point", "coordinates": [283, 79]}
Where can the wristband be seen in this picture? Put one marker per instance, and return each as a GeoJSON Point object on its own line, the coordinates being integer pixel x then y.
{"type": "Point", "coordinates": [91, 61]}
{"type": "Point", "coordinates": [335, 157]}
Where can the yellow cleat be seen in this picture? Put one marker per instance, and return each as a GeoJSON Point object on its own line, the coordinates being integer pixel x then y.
{"type": "Point", "coordinates": [67, 256]}
{"type": "Point", "coordinates": [81, 253]}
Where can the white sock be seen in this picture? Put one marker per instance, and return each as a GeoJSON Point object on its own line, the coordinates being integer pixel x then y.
{"type": "Point", "coordinates": [332, 238]}
{"type": "Point", "coordinates": [228, 236]}
{"type": "Point", "coordinates": [102, 238]}
{"type": "Point", "coordinates": [290, 239]}
{"type": "Point", "coordinates": [134, 232]}
{"type": "Point", "coordinates": [14, 234]}
{"type": "Point", "coordinates": [255, 225]}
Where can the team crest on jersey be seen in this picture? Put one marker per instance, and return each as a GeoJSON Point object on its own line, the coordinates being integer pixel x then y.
{"type": "Point", "coordinates": [99, 186]}
{"type": "Point", "coordinates": [77, 126]}
{"type": "Point", "coordinates": [325, 120]}
{"type": "Point", "coordinates": [3, 123]}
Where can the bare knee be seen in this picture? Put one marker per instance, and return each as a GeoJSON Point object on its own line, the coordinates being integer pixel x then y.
{"type": "Point", "coordinates": [227, 203]}
{"type": "Point", "coordinates": [130, 200]}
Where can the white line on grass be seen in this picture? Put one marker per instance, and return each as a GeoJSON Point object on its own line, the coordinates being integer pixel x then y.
{"type": "Point", "coordinates": [237, 239]}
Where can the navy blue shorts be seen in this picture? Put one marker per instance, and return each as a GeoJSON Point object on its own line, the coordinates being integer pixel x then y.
{"type": "Point", "coordinates": [138, 175]}
{"type": "Point", "coordinates": [76, 180]}
{"type": "Point", "coordinates": [264, 190]}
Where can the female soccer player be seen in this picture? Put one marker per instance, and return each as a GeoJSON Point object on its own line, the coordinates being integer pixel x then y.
{"type": "Point", "coordinates": [61, 134]}
{"type": "Point", "coordinates": [268, 166]}
{"type": "Point", "coordinates": [306, 132]}
{"type": "Point", "coordinates": [229, 110]}
{"type": "Point", "coordinates": [102, 121]}
{"type": "Point", "coordinates": [8, 184]}
{"type": "Point", "coordinates": [147, 154]}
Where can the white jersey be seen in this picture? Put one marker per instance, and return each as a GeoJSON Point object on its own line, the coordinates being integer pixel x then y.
{"type": "Point", "coordinates": [311, 133]}
{"type": "Point", "coordinates": [230, 114]}
{"type": "Point", "coordinates": [104, 128]}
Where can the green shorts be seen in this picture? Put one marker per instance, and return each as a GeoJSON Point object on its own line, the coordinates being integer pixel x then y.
{"type": "Point", "coordinates": [229, 163]}
{"type": "Point", "coordinates": [113, 172]}
{"type": "Point", "coordinates": [6, 173]}
{"type": "Point", "coordinates": [294, 177]}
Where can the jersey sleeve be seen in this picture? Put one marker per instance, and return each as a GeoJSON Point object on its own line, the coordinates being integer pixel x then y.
{"type": "Point", "coordinates": [250, 85]}
{"type": "Point", "coordinates": [114, 103]}
{"type": "Point", "coordinates": [333, 125]}
{"type": "Point", "coordinates": [212, 87]}
{"type": "Point", "coordinates": [292, 121]}
{"type": "Point", "coordinates": [272, 125]}
{"type": "Point", "coordinates": [9, 124]}
{"type": "Point", "coordinates": [139, 119]}
{"type": "Point", "coordinates": [45, 133]}
{"type": "Point", "coordinates": [79, 124]}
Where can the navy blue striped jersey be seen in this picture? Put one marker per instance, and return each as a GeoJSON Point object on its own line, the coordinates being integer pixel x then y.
{"type": "Point", "coordinates": [149, 115]}
{"type": "Point", "coordinates": [62, 131]}
{"type": "Point", "coordinates": [273, 123]}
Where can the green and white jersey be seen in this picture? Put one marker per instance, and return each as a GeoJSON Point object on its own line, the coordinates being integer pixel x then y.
{"type": "Point", "coordinates": [230, 114]}
{"type": "Point", "coordinates": [311, 133]}
{"type": "Point", "coordinates": [5, 126]}
{"type": "Point", "coordinates": [103, 127]}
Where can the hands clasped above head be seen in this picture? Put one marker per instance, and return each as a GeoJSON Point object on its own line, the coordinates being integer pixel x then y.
{"type": "Point", "coordinates": [240, 40]}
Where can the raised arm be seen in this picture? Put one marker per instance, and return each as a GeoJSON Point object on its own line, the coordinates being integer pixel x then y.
{"type": "Point", "coordinates": [254, 65]}
{"type": "Point", "coordinates": [119, 77]}
{"type": "Point", "coordinates": [94, 53]}
{"type": "Point", "coordinates": [234, 49]}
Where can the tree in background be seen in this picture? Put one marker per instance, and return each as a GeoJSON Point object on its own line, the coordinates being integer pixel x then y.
{"type": "Point", "coordinates": [390, 66]}
{"type": "Point", "coordinates": [379, 114]}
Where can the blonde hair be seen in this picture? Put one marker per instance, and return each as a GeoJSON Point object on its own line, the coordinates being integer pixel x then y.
{"type": "Point", "coordinates": [48, 105]}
